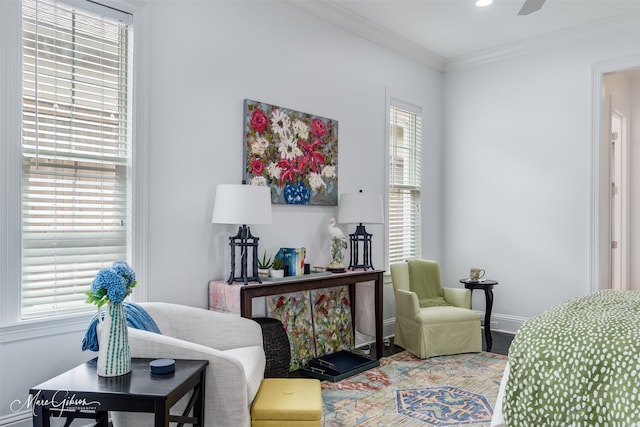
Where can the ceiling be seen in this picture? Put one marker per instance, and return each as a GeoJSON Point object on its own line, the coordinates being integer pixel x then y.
{"type": "Point", "coordinates": [446, 30]}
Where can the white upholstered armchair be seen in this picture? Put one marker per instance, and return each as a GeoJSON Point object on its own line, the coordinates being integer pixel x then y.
{"type": "Point", "coordinates": [231, 344]}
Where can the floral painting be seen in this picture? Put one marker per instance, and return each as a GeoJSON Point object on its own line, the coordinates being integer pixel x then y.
{"type": "Point", "coordinates": [293, 153]}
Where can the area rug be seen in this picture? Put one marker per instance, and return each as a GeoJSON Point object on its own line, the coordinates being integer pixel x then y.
{"type": "Point", "coordinates": [405, 391]}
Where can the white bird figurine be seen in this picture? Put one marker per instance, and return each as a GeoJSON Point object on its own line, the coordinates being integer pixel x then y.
{"type": "Point", "coordinates": [334, 231]}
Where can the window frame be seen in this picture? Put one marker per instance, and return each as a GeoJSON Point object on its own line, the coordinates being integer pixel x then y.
{"type": "Point", "coordinates": [12, 327]}
{"type": "Point", "coordinates": [76, 151]}
{"type": "Point", "coordinates": [394, 102]}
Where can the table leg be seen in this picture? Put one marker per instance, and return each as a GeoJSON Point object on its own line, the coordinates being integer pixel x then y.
{"type": "Point", "coordinates": [246, 305]}
{"type": "Point", "coordinates": [162, 415]}
{"type": "Point", "coordinates": [102, 419]}
{"type": "Point", "coordinates": [352, 299]}
{"type": "Point", "coordinates": [488, 295]}
{"type": "Point", "coordinates": [378, 289]}
{"type": "Point", "coordinates": [198, 410]}
{"type": "Point", "coordinates": [40, 416]}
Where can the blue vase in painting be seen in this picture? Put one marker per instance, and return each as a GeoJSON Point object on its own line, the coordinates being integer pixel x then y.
{"type": "Point", "coordinates": [296, 194]}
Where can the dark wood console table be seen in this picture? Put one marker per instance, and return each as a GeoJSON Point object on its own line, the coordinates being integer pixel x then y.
{"type": "Point", "coordinates": [313, 281]}
{"type": "Point", "coordinates": [81, 393]}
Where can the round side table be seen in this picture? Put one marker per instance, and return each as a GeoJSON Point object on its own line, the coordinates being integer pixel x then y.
{"type": "Point", "coordinates": [487, 287]}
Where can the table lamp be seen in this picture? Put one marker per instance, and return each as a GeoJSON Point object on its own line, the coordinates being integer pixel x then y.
{"type": "Point", "coordinates": [242, 204]}
{"type": "Point", "coordinates": [360, 208]}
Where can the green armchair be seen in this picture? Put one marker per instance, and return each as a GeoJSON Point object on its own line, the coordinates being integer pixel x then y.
{"type": "Point", "coordinates": [432, 320]}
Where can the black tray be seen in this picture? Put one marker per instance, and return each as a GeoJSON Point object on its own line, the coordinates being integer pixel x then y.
{"type": "Point", "coordinates": [338, 366]}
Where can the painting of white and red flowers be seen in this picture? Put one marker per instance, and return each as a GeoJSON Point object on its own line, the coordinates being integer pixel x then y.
{"type": "Point", "coordinates": [295, 154]}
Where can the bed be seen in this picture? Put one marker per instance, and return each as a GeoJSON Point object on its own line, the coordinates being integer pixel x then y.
{"type": "Point", "coordinates": [576, 364]}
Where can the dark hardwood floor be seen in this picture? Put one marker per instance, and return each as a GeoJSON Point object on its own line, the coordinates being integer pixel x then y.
{"type": "Point", "coordinates": [501, 342]}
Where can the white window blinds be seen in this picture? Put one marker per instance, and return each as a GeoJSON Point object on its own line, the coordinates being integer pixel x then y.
{"type": "Point", "coordinates": [404, 184]}
{"type": "Point", "coordinates": [75, 152]}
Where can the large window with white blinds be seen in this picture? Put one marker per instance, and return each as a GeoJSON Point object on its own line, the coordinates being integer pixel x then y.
{"type": "Point", "coordinates": [405, 143]}
{"type": "Point", "coordinates": [76, 151]}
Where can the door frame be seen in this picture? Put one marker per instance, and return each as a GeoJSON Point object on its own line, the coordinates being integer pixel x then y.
{"type": "Point", "coordinates": [599, 248]}
{"type": "Point", "coordinates": [619, 216]}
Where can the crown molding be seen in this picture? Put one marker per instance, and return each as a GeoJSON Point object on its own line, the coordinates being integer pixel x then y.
{"type": "Point", "coordinates": [334, 13]}
{"type": "Point", "coordinates": [565, 37]}
{"type": "Point", "coordinates": [331, 12]}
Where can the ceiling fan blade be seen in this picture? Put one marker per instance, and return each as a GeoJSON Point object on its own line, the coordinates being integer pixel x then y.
{"type": "Point", "coordinates": [531, 6]}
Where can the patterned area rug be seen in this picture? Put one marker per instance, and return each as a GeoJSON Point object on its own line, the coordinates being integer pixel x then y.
{"type": "Point", "coordinates": [405, 391]}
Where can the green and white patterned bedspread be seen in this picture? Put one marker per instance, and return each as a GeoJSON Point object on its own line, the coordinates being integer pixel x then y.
{"type": "Point", "coordinates": [577, 364]}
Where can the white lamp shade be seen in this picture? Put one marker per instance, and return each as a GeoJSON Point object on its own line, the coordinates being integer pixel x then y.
{"type": "Point", "coordinates": [242, 204]}
{"type": "Point", "coordinates": [355, 208]}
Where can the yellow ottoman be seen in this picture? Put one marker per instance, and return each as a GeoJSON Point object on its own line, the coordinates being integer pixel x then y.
{"type": "Point", "coordinates": [282, 402]}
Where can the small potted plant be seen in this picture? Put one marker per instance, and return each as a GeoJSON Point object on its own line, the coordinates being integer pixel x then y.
{"type": "Point", "coordinates": [277, 269]}
{"type": "Point", "coordinates": [264, 264]}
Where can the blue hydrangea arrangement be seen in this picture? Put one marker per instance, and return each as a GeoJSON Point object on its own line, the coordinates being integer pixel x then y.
{"type": "Point", "coordinates": [112, 284]}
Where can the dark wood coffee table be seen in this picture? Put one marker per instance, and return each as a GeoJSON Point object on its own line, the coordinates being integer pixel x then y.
{"type": "Point", "coordinates": [81, 393]}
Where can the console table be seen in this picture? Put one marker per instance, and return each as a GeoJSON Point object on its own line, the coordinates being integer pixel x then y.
{"type": "Point", "coordinates": [81, 393]}
{"type": "Point", "coordinates": [302, 283]}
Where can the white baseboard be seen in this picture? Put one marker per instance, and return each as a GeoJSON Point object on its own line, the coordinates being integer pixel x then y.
{"type": "Point", "coordinates": [504, 322]}
{"type": "Point", "coordinates": [17, 419]}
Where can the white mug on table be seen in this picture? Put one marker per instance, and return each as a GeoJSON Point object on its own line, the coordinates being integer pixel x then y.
{"type": "Point", "coordinates": [476, 274]}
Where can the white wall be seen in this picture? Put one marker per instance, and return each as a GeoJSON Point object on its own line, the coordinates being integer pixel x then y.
{"type": "Point", "coordinates": [517, 173]}
{"type": "Point", "coordinates": [204, 59]}
{"type": "Point", "coordinates": [216, 55]}
{"type": "Point", "coordinates": [513, 196]}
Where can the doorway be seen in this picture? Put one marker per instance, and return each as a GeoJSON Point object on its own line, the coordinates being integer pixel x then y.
{"type": "Point", "coordinates": [619, 197]}
{"type": "Point", "coordinates": [616, 211]}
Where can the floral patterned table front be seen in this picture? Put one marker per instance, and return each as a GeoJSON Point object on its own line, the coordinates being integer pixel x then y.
{"type": "Point", "coordinates": [317, 322]}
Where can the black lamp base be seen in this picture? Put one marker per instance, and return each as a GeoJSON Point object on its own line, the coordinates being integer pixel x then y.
{"type": "Point", "coordinates": [355, 239]}
{"type": "Point", "coordinates": [244, 240]}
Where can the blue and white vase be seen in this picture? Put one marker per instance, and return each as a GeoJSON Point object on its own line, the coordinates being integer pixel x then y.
{"type": "Point", "coordinates": [296, 194]}
{"type": "Point", "coordinates": [114, 355]}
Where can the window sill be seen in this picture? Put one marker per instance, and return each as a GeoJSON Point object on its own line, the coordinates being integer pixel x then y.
{"type": "Point", "coordinates": [35, 328]}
